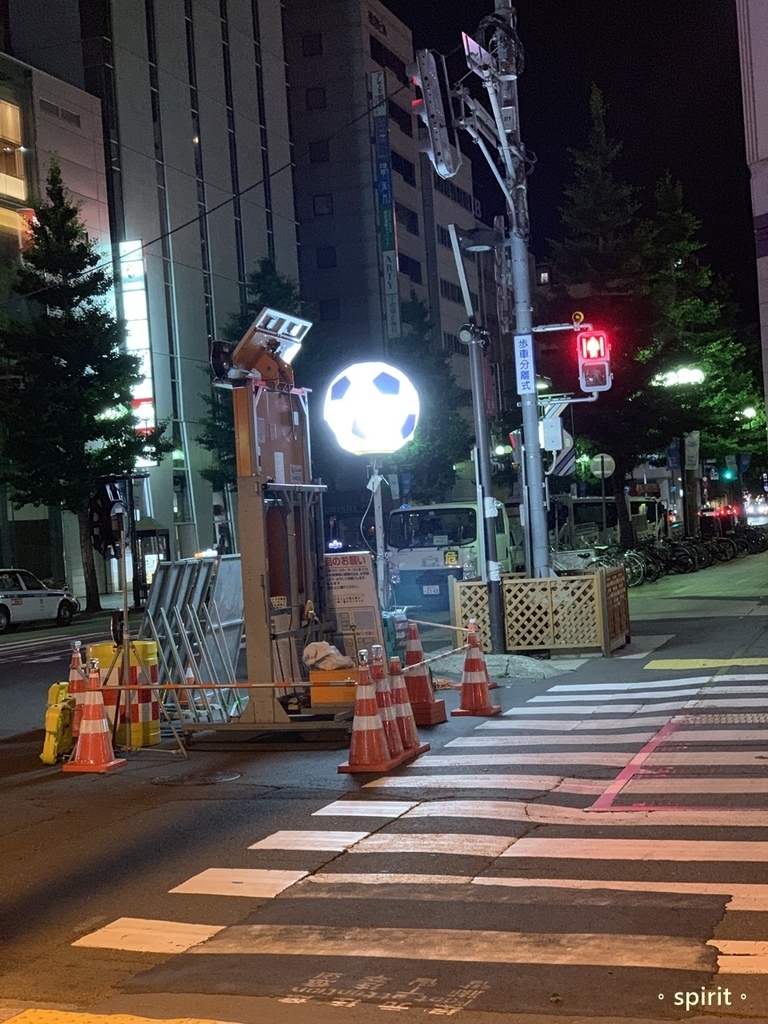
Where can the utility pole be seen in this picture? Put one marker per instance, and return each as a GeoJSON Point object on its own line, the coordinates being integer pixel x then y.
{"type": "Point", "coordinates": [497, 134]}
{"type": "Point", "coordinates": [502, 89]}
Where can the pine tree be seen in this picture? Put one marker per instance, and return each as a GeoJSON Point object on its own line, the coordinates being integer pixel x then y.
{"type": "Point", "coordinates": [67, 421]}
{"type": "Point", "coordinates": [643, 281]}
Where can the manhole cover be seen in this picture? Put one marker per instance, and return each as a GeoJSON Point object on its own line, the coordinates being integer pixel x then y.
{"type": "Point", "coordinates": [197, 780]}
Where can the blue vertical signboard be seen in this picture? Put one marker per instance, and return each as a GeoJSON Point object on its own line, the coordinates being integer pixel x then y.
{"type": "Point", "coordinates": [386, 204]}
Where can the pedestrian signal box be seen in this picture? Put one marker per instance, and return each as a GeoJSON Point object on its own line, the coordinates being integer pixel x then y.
{"type": "Point", "coordinates": [594, 352]}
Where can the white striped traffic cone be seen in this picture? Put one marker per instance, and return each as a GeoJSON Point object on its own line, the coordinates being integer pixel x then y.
{"type": "Point", "coordinates": [384, 702]}
{"type": "Point", "coordinates": [368, 748]}
{"type": "Point", "coordinates": [406, 723]}
{"type": "Point", "coordinates": [475, 699]}
{"type": "Point", "coordinates": [94, 752]}
{"type": "Point", "coordinates": [426, 710]}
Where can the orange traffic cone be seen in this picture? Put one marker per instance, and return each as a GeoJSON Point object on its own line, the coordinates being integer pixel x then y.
{"type": "Point", "coordinates": [475, 699]}
{"type": "Point", "coordinates": [77, 686]}
{"type": "Point", "coordinates": [406, 723]}
{"type": "Point", "coordinates": [473, 629]}
{"type": "Point", "coordinates": [368, 749]}
{"type": "Point", "coordinates": [426, 710]}
{"type": "Point", "coordinates": [384, 702]}
{"type": "Point", "coordinates": [93, 752]}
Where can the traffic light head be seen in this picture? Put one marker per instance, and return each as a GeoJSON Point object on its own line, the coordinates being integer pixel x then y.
{"type": "Point", "coordinates": [430, 77]}
{"type": "Point", "coordinates": [594, 352]}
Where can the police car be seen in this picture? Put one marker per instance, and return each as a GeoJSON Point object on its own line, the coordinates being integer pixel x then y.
{"type": "Point", "coordinates": [23, 598]}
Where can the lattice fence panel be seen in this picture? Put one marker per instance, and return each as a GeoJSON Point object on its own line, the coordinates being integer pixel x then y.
{"type": "Point", "coordinates": [617, 599]}
{"type": "Point", "coordinates": [471, 602]}
{"type": "Point", "coordinates": [527, 614]}
{"type": "Point", "coordinates": [575, 612]}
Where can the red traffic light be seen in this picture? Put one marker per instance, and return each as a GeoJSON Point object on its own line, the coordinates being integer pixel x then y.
{"type": "Point", "coordinates": [594, 352]}
{"type": "Point", "coordinates": [592, 344]}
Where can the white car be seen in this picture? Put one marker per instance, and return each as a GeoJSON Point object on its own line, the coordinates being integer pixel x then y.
{"type": "Point", "coordinates": [23, 598]}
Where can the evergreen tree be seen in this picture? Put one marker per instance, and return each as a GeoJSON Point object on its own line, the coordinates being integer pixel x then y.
{"type": "Point", "coordinates": [68, 422]}
{"type": "Point", "coordinates": [643, 281]}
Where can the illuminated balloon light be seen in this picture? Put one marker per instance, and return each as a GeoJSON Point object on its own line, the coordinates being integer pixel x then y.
{"type": "Point", "coordinates": [372, 408]}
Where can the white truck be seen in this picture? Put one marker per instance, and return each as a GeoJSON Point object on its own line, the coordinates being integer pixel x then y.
{"type": "Point", "coordinates": [427, 545]}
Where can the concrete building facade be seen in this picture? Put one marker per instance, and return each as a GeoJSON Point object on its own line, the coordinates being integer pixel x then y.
{"type": "Point", "coordinates": [194, 125]}
{"type": "Point", "coordinates": [752, 18]}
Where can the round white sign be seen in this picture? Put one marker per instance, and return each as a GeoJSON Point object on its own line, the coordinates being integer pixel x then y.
{"type": "Point", "coordinates": [602, 465]}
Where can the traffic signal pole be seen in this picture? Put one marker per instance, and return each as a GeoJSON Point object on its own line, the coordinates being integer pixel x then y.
{"type": "Point", "coordinates": [502, 90]}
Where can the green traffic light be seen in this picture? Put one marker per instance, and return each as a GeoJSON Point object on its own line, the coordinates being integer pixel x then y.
{"type": "Point", "coordinates": [728, 474]}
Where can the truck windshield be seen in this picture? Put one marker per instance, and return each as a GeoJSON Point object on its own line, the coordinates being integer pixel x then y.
{"type": "Point", "coordinates": [428, 528]}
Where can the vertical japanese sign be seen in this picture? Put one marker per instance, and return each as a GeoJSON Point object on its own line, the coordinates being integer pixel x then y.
{"type": "Point", "coordinates": [526, 379]}
{"type": "Point", "coordinates": [386, 204]}
{"type": "Point", "coordinates": [692, 450]}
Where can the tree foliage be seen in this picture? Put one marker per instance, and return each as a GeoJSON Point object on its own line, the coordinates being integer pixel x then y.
{"type": "Point", "coordinates": [640, 276]}
{"type": "Point", "coordinates": [443, 436]}
{"type": "Point", "coordinates": [66, 416]}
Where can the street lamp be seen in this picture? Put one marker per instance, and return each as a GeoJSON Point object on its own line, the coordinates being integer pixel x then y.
{"type": "Point", "coordinates": [372, 409]}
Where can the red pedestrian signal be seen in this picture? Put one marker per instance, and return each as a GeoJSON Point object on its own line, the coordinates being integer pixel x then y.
{"type": "Point", "coordinates": [594, 352]}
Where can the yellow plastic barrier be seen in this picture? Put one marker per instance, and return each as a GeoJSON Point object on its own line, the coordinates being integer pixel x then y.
{"type": "Point", "coordinates": [58, 723]}
{"type": "Point", "coordinates": [144, 705]}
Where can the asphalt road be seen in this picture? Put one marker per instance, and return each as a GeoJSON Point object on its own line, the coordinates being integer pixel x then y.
{"type": "Point", "coordinates": [595, 853]}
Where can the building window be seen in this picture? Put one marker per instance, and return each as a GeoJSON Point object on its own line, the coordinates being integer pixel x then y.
{"type": "Point", "coordinates": [452, 292]}
{"type": "Point", "coordinates": [319, 152]}
{"type": "Point", "coordinates": [408, 218]}
{"type": "Point", "coordinates": [312, 44]}
{"type": "Point", "coordinates": [325, 256]}
{"type": "Point", "coordinates": [452, 343]}
{"type": "Point", "coordinates": [404, 168]}
{"type": "Point", "coordinates": [11, 160]}
{"type": "Point", "coordinates": [316, 98]}
{"type": "Point", "coordinates": [384, 56]}
{"type": "Point", "coordinates": [458, 195]}
{"type": "Point", "coordinates": [322, 205]}
{"type": "Point", "coordinates": [410, 267]}
{"type": "Point", "coordinates": [401, 117]}
{"type": "Point", "coordinates": [329, 309]}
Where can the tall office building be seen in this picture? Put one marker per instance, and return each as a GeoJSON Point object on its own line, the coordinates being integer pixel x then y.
{"type": "Point", "coordinates": [753, 47]}
{"type": "Point", "coordinates": [374, 215]}
{"type": "Point", "coordinates": [199, 188]}
{"type": "Point", "coordinates": [41, 116]}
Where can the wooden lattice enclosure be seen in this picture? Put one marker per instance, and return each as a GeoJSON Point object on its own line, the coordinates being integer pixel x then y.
{"type": "Point", "coordinates": [580, 611]}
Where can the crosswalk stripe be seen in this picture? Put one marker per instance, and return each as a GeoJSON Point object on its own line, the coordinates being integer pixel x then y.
{"type": "Point", "coordinates": [464, 946]}
{"type": "Point", "coordinates": [367, 808]}
{"type": "Point", "coordinates": [251, 882]}
{"type": "Point", "coordinates": [545, 783]}
{"type": "Point", "coordinates": [147, 936]}
{"type": "Point", "coordinates": [553, 725]}
{"type": "Point", "coordinates": [672, 758]}
{"type": "Point", "coordinates": [640, 850]}
{"type": "Point", "coordinates": [706, 784]}
{"type": "Point", "coordinates": [659, 664]}
{"type": "Point", "coordinates": [644, 684]}
{"type": "Point", "coordinates": [609, 759]}
{"type": "Point", "coordinates": [740, 956]}
{"type": "Point", "coordinates": [537, 741]}
{"type": "Point", "coordinates": [299, 840]}
{"type": "Point", "coordinates": [634, 709]}
{"type": "Point", "coordinates": [381, 878]}
{"type": "Point", "coordinates": [555, 814]}
{"type": "Point", "coordinates": [650, 695]}
{"type": "Point", "coordinates": [434, 842]}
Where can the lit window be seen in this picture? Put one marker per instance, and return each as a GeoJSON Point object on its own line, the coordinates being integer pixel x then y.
{"type": "Point", "coordinates": [11, 161]}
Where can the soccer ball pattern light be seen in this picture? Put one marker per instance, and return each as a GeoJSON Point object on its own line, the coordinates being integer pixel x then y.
{"type": "Point", "coordinates": [372, 408]}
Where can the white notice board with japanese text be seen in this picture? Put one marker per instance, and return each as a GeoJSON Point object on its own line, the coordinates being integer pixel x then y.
{"type": "Point", "coordinates": [352, 602]}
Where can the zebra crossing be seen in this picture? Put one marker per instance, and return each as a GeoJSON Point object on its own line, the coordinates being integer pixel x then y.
{"type": "Point", "coordinates": [637, 868]}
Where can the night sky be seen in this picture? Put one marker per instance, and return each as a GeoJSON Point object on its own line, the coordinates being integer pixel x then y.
{"type": "Point", "coordinates": [669, 70]}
